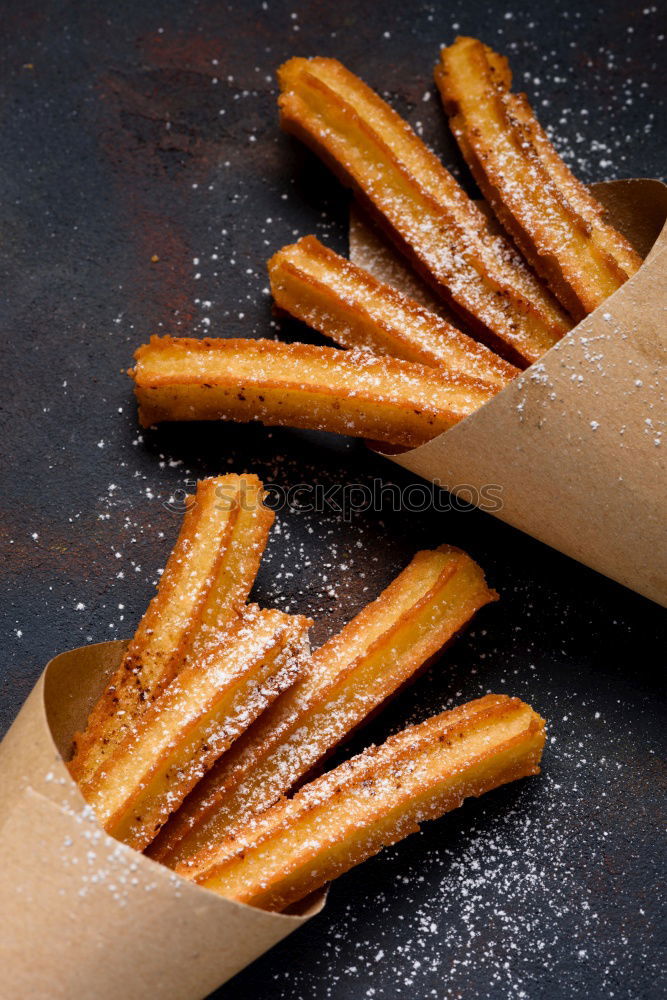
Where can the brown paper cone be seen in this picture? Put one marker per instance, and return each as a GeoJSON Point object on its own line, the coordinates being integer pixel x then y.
{"type": "Point", "coordinates": [576, 442]}
{"type": "Point", "coordinates": [82, 914]}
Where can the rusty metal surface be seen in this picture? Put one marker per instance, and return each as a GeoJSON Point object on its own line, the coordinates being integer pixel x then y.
{"type": "Point", "coordinates": [139, 131]}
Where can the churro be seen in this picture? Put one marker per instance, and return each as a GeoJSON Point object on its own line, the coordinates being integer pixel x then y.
{"type": "Point", "coordinates": [554, 220]}
{"type": "Point", "coordinates": [204, 585]}
{"type": "Point", "coordinates": [372, 801]}
{"type": "Point", "coordinates": [348, 678]}
{"type": "Point", "coordinates": [421, 207]}
{"type": "Point", "coordinates": [347, 304]}
{"type": "Point", "coordinates": [298, 385]}
{"type": "Point", "coordinates": [208, 705]}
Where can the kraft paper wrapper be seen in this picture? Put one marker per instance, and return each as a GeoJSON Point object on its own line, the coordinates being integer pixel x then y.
{"type": "Point", "coordinates": [82, 914]}
{"type": "Point", "coordinates": [576, 441]}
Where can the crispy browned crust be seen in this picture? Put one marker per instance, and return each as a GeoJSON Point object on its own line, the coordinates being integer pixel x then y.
{"type": "Point", "coordinates": [373, 801]}
{"type": "Point", "coordinates": [420, 206]}
{"type": "Point", "coordinates": [299, 385]}
{"type": "Point", "coordinates": [537, 145]}
{"type": "Point", "coordinates": [204, 585]}
{"type": "Point", "coordinates": [352, 307]}
{"type": "Point", "coordinates": [348, 678]}
{"type": "Point", "coordinates": [557, 224]}
{"type": "Point", "coordinates": [211, 702]}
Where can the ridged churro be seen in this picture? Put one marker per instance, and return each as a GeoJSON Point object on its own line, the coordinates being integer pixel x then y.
{"type": "Point", "coordinates": [372, 801]}
{"type": "Point", "coordinates": [421, 207]}
{"type": "Point", "coordinates": [554, 220]}
{"type": "Point", "coordinates": [211, 702]}
{"type": "Point", "coordinates": [298, 385]}
{"type": "Point", "coordinates": [352, 307]}
{"type": "Point", "coordinates": [347, 679]}
{"type": "Point", "coordinates": [204, 585]}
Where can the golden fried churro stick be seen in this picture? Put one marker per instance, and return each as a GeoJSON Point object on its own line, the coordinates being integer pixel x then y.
{"type": "Point", "coordinates": [373, 801]}
{"type": "Point", "coordinates": [209, 704]}
{"type": "Point", "coordinates": [297, 385]}
{"type": "Point", "coordinates": [349, 677]}
{"type": "Point", "coordinates": [536, 144]}
{"type": "Point", "coordinates": [204, 585]}
{"type": "Point", "coordinates": [352, 307]}
{"type": "Point", "coordinates": [556, 223]}
{"type": "Point", "coordinates": [420, 206]}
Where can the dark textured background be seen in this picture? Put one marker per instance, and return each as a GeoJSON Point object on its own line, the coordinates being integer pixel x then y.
{"type": "Point", "coordinates": [130, 130]}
